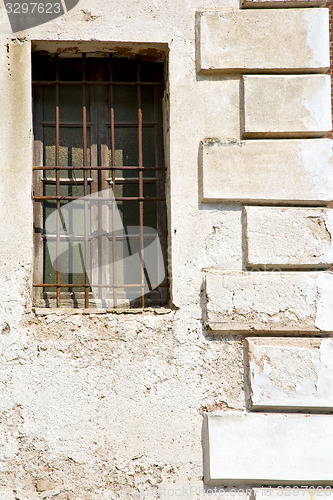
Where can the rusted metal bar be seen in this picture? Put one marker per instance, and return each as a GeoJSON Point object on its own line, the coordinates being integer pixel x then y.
{"type": "Point", "coordinates": [65, 124]}
{"type": "Point", "coordinates": [85, 180]}
{"type": "Point", "coordinates": [122, 124]}
{"type": "Point", "coordinates": [74, 237]}
{"type": "Point", "coordinates": [114, 204]}
{"type": "Point", "coordinates": [57, 181]}
{"type": "Point", "coordinates": [96, 285]}
{"type": "Point", "coordinates": [50, 180]}
{"type": "Point", "coordinates": [118, 198]}
{"type": "Point", "coordinates": [89, 82]}
{"type": "Point", "coordinates": [142, 261]}
{"type": "Point", "coordinates": [131, 180]}
{"type": "Point", "coordinates": [133, 125]}
{"type": "Point", "coordinates": [98, 167]}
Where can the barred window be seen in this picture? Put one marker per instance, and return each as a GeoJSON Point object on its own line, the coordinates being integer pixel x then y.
{"type": "Point", "coordinates": [100, 232]}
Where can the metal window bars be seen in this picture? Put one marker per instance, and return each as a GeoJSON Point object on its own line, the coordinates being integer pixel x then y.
{"type": "Point", "coordinates": [102, 169]}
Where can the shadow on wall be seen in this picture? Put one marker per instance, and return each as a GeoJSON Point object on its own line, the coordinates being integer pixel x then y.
{"type": "Point", "coordinates": [27, 14]}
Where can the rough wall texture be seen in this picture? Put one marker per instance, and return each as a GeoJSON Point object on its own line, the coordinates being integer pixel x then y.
{"type": "Point", "coordinates": [103, 406]}
{"type": "Point", "coordinates": [112, 404]}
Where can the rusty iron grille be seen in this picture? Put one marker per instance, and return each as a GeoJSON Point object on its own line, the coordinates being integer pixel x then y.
{"type": "Point", "coordinates": [98, 142]}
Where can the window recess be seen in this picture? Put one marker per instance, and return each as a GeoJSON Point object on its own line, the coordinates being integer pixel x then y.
{"type": "Point", "coordinates": [100, 232]}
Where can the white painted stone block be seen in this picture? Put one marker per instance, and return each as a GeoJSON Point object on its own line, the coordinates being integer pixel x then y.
{"type": "Point", "coordinates": [287, 171]}
{"type": "Point", "coordinates": [252, 302]}
{"type": "Point", "coordinates": [277, 4]}
{"type": "Point", "coordinates": [297, 106]}
{"type": "Point", "coordinates": [278, 40]}
{"type": "Point", "coordinates": [290, 373]}
{"type": "Point", "coordinates": [288, 237]}
{"type": "Point", "coordinates": [268, 449]}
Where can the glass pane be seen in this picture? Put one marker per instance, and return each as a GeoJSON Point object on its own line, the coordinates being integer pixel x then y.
{"type": "Point", "coordinates": [70, 261]}
{"type": "Point", "coordinates": [151, 71]}
{"type": "Point", "coordinates": [49, 103]}
{"type": "Point", "coordinates": [130, 246]}
{"type": "Point", "coordinates": [129, 212]}
{"type": "Point", "coordinates": [147, 96]}
{"type": "Point", "coordinates": [126, 147]}
{"type": "Point", "coordinates": [124, 70]}
{"type": "Point", "coordinates": [125, 104]}
{"type": "Point", "coordinates": [71, 215]}
{"type": "Point", "coordinates": [71, 103]}
{"type": "Point", "coordinates": [149, 214]}
{"type": "Point", "coordinates": [148, 147]}
{"type": "Point", "coordinates": [43, 67]}
{"type": "Point", "coordinates": [49, 146]}
{"type": "Point", "coordinates": [149, 189]}
{"type": "Point", "coordinates": [70, 146]}
{"type": "Point", "coordinates": [70, 69]}
{"type": "Point", "coordinates": [125, 189]}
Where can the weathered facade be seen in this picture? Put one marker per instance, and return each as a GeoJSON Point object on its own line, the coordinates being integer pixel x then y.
{"type": "Point", "coordinates": [225, 387]}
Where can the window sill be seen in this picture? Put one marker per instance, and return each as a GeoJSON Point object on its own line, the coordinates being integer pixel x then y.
{"type": "Point", "coordinates": [45, 311]}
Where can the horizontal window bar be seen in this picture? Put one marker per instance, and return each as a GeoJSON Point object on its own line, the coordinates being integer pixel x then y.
{"type": "Point", "coordinates": [66, 181]}
{"type": "Point", "coordinates": [100, 168]}
{"type": "Point", "coordinates": [101, 199]}
{"type": "Point", "coordinates": [93, 285]}
{"type": "Point", "coordinates": [132, 180]}
{"type": "Point", "coordinates": [132, 124]}
{"type": "Point", "coordinates": [89, 82]}
{"type": "Point", "coordinates": [89, 125]}
{"type": "Point", "coordinates": [65, 124]}
{"type": "Point", "coordinates": [72, 237]}
{"type": "Point", "coordinates": [120, 180]}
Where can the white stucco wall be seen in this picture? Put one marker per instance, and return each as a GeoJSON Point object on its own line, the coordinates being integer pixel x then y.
{"type": "Point", "coordinates": [106, 405]}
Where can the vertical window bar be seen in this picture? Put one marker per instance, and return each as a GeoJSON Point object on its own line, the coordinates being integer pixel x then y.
{"type": "Point", "coordinates": [139, 97]}
{"type": "Point", "coordinates": [85, 180]}
{"type": "Point", "coordinates": [159, 178]}
{"type": "Point", "coordinates": [113, 176]}
{"type": "Point", "coordinates": [57, 179]}
{"type": "Point", "coordinates": [38, 190]}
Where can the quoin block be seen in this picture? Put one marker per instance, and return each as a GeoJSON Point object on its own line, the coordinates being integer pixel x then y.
{"type": "Point", "coordinates": [289, 374]}
{"type": "Point", "coordinates": [290, 171]}
{"type": "Point", "coordinates": [287, 106]}
{"type": "Point", "coordinates": [279, 40]}
{"type": "Point", "coordinates": [286, 302]}
{"type": "Point", "coordinates": [277, 237]}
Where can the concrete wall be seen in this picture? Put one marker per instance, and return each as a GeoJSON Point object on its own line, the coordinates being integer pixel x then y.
{"type": "Point", "coordinates": [107, 405]}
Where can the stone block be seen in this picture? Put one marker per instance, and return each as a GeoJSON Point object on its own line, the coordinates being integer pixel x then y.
{"type": "Point", "coordinates": [269, 302]}
{"type": "Point", "coordinates": [268, 449]}
{"type": "Point", "coordinates": [278, 237]}
{"type": "Point", "coordinates": [279, 40]}
{"type": "Point", "coordinates": [287, 106]}
{"type": "Point", "coordinates": [290, 171]}
{"type": "Point", "coordinates": [290, 374]}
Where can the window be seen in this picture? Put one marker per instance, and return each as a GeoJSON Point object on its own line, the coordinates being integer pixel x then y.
{"type": "Point", "coordinates": [99, 182]}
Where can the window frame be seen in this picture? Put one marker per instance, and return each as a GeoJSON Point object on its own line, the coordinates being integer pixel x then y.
{"type": "Point", "coordinates": [38, 191]}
